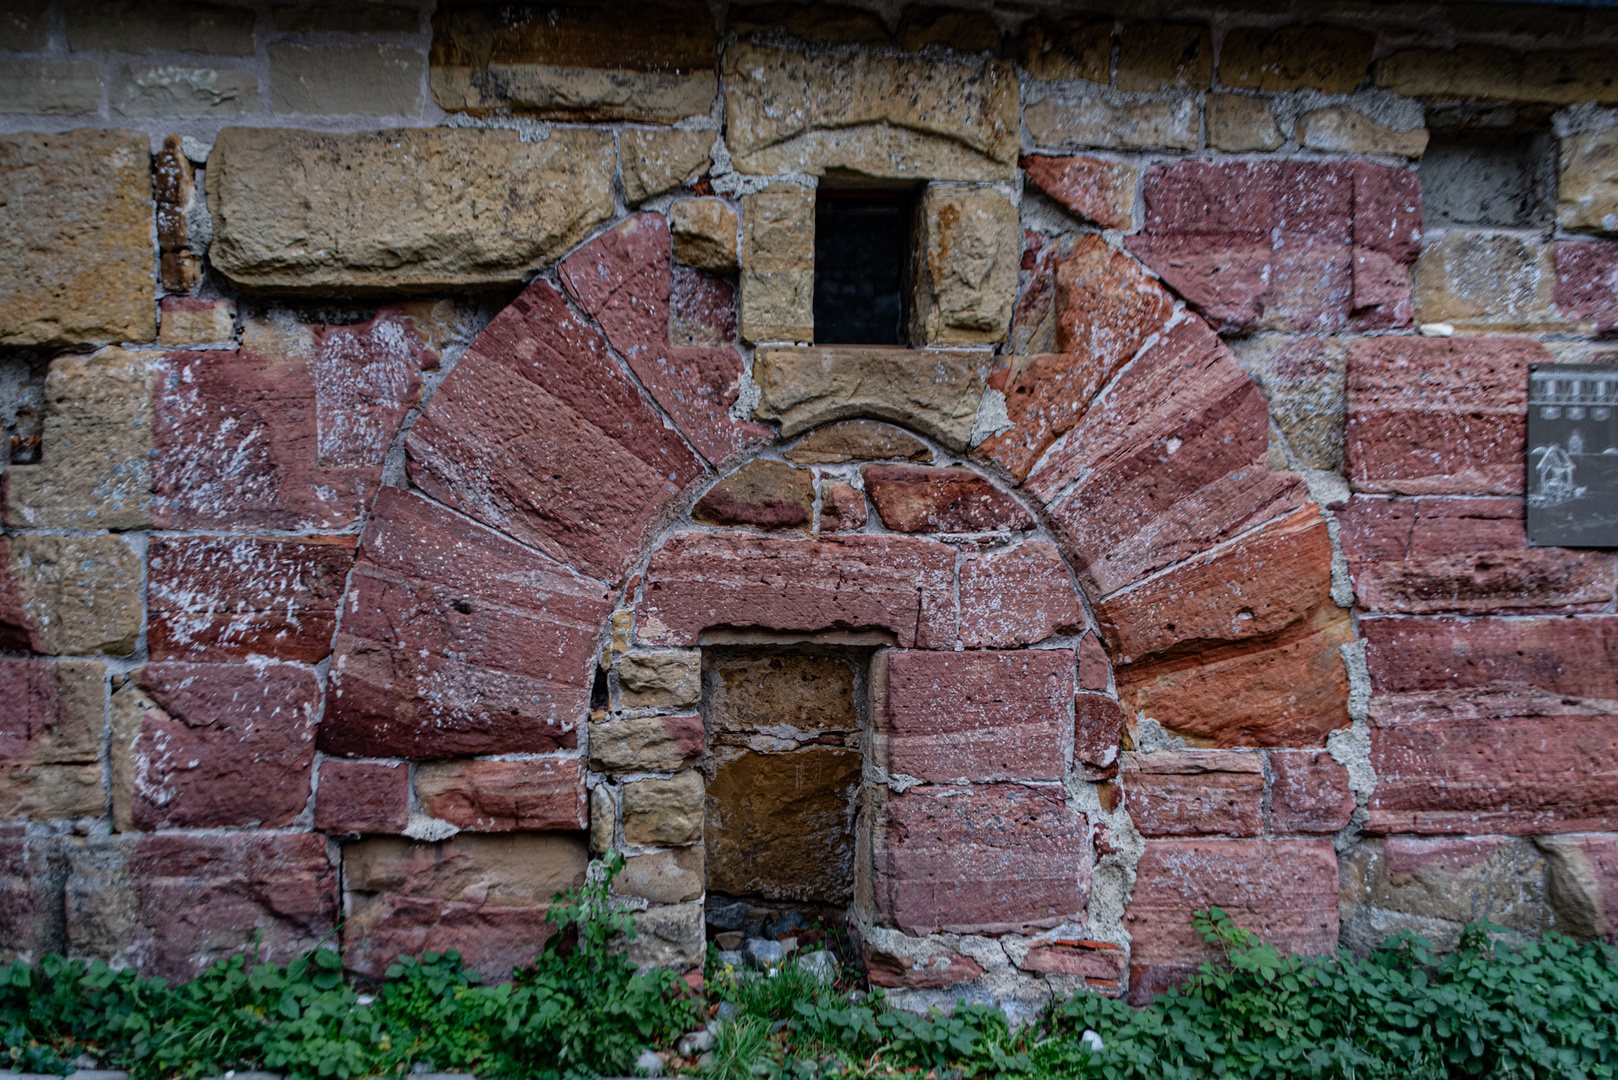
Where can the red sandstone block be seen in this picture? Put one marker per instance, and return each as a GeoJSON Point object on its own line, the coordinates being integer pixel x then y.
{"type": "Point", "coordinates": [1283, 890]}
{"type": "Point", "coordinates": [55, 710]}
{"type": "Point", "coordinates": [1018, 597]}
{"type": "Point", "coordinates": [942, 716]}
{"type": "Point", "coordinates": [231, 598]}
{"type": "Point", "coordinates": [202, 898]}
{"type": "Point", "coordinates": [702, 309]}
{"type": "Point", "coordinates": [897, 584]}
{"type": "Point", "coordinates": [1514, 776]}
{"type": "Point", "coordinates": [984, 859]}
{"type": "Point", "coordinates": [1098, 725]}
{"type": "Point", "coordinates": [1099, 963]}
{"type": "Point", "coordinates": [1587, 282]}
{"type": "Point", "coordinates": [1197, 793]}
{"type": "Point", "coordinates": [1422, 556]}
{"type": "Point", "coordinates": [458, 641]}
{"type": "Point", "coordinates": [538, 433]}
{"type": "Point", "coordinates": [1309, 793]}
{"type": "Point", "coordinates": [1408, 854]}
{"type": "Point", "coordinates": [893, 971]}
{"type": "Point", "coordinates": [248, 440]}
{"type": "Point", "coordinates": [1095, 671]}
{"type": "Point", "coordinates": [1438, 416]}
{"type": "Point", "coordinates": [1452, 669]}
{"type": "Point", "coordinates": [1170, 463]}
{"type": "Point", "coordinates": [221, 744]}
{"type": "Point", "coordinates": [842, 508]}
{"type": "Point", "coordinates": [1254, 587]}
{"type": "Point", "coordinates": [1093, 188]}
{"type": "Point", "coordinates": [918, 499]}
{"type": "Point", "coordinates": [362, 797]}
{"type": "Point", "coordinates": [1387, 210]}
{"type": "Point", "coordinates": [503, 796]}
{"type": "Point", "coordinates": [621, 278]}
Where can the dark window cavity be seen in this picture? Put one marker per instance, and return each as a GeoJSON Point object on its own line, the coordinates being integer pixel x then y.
{"type": "Point", "coordinates": [861, 254]}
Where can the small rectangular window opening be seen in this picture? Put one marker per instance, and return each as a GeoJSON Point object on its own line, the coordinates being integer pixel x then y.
{"type": "Point", "coordinates": [862, 259]}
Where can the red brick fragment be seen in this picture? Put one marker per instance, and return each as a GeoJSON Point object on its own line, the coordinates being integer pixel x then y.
{"type": "Point", "coordinates": [1018, 597]}
{"type": "Point", "coordinates": [702, 309]}
{"type": "Point", "coordinates": [893, 971]}
{"type": "Point", "coordinates": [1095, 671]}
{"type": "Point", "coordinates": [362, 797]}
{"type": "Point", "coordinates": [1197, 793]}
{"type": "Point", "coordinates": [942, 716]}
{"type": "Point", "coordinates": [842, 508]}
{"type": "Point", "coordinates": [1587, 282]}
{"type": "Point", "coordinates": [1089, 960]}
{"type": "Point", "coordinates": [1309, 793]}
{"type": "Point", "coordinates": [502, 796]}
{"type": "Point", "coordinates": [1098, 725]}
{"type": "Point", "coordinates": [919, 498]}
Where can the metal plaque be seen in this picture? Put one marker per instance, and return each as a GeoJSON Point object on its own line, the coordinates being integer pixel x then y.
{"type": "Point", "coordinates": [1573, 455]}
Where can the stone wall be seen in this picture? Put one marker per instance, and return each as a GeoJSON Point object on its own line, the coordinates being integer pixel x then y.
{"type": "Point", "coordinates": [412, 412]}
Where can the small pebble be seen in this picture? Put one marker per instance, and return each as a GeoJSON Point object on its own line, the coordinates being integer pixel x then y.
{"type": "Point", "coordinates": [763, 954]}
{"type": "Point", "coordinates": [649, 1064]}
{"type": "Point", "coordinates": [821, 963]}
{"type": "Point", "coordinates": [1092, 1040]}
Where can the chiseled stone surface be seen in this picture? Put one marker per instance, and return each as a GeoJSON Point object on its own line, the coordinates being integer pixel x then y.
{"type": "Point", "coordinates": [704, 233]}
{"type": "Point", "coordinates": [362, 797]}
{"type": "Point", "coordinates": [669, 936]}
{"type": "Point", "coordinates": [663, 877]}
{"type": "Point", "coordinates": [367, 78]}
{"type": "Point", "coordinates": [1491, 282]}
{"type": "Point", "coordinates": [151, 90]}
{"type": "Point", "coordinates": [1331, 59]}
{"type": "Point", "coordinates": [1303, 379]}
{"type": "Point", "coordinates": [1017, 597]}
{"type": "Point", "coordinates": [1239, 124]}
{"type": "Point", "coordinates": [842, 508]}
{"type": "Point", "coordinates": [664, 811]}
{"type": "Point", "coordinates": [763, 494]}
{"type": "Point", "coordinates": [646, 744]}
{"type": "Point", "coordinates": [778, 254]}
{"type": "Point", "coordinates": [858, 440]}
{"type": "Point", "coordinates": [655, 162]}
{"type": "Point", "coordinates": [1195, 793]}
{"type": "Point", "coordinates": [1063, 49]}
{"type": "Point", "coordinates": [967, 256]}
{"type": "Point", "coordinates": [944, 716]}
{"type": "Point", "coordinates": [928, 499]}
{"type": "Point", "coordinates": [1096, 189]}
{"type": "Point", "coordinates": [1098, 725]}
{"type": "Point", "coordinates": [1342, 130]}
{"type": "Point", "coordinates": [50, 739]}
{"type": "Point", "coordinates": [1308, 793]}
{"type": "Point", "coordinates": [411, 208]}
{"type": "Point", "coordinates": [187, 321]}
{"type": "Point", "coordinates": [76, 247]}
{"type": "Point", "coordinates": [457, 641]}
{"type": "Point", "coordinates": [1067, 120]}
{"type": "Point", "coordinates": [1587, 184]}
{"type": "Point", "coordinates": [1155, 56]}
{"type": "Point", "coordinates": [70, 594]}
{"type": "Point", "coordinates": [505, 796]}
{"type": "Point", "coordinates": [661, 680]}
{"type": "Point", "coordinates": [874, 114]}
{"type": "Point", "coordinates": [981, 859]}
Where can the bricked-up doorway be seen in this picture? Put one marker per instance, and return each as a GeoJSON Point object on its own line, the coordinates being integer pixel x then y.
{"type": "Point", "coordinates": [784, 752]}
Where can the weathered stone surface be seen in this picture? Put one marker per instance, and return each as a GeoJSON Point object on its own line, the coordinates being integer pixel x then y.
{"type": "Point", "coordinates": [362, 797]}
{"type": "Point", "coordinates": [901, 585]}
{"type": "Point", "coordinates": [778, 264]}
{"type": "Point", "coordinates": [842, 508]}
{"type": "Point", "coordinates": [32, 872]}
{"type": "Point", "coordinates": [1331, 59]}
{"type": "Point", "coordinates": [377, 18]}
{"type": "Point", "coordinates": [1217, 792]}
{"type": "Point", "coordinates": [1017, 597]}
{"type": "Point", "coordinates": [1303, 379]}
{"type": "Point", "coordinates": [1582, 883]}
{"type": "Point", "coordinates": [858, 440]}
{"type": "Point", "coordinates": [210, 745]}
{"type": "Point", "coordinates": [1587, 185]}
{"type": "Point", "coordinates": [485, 896]}
{"type": "Point", "coordinates": [782, 825]}
{"type": "Point", "coordinates": [603, 820]}
{"type": "Point", "coordinates": [1558, 76]}
{"type": "Point", "coordinates": [931, 971]}
{"type": "Point", "coordinates": [540, 434]}
{"type": "Point", "coordinates": [664, 811]}
{"type": "Point", "coordinates": [1095, 671]}
{"type": "Point", "coordinates": [934, 391]}
{"type": "Point", "coordinates": [1099, 963]}
{"type": "Point", "coordinates": [646, 744]}
{"type": "Point", "coordinates": [664, 680]}
{"type": "Point", "coordinates": [458, 641]}
{"type": "Point", "coordinates": [1164, 56]}
{"type": "Point", "coordinates": [366, 79]}
{"type": "Point", "coordinates": [24, 26]}
{"type": "Point", "coordinates": [1342, 130]}
{"type": "Point", "coordinates": [920, 498]}
{"type": "Point", "coordinates": [411, 208]}
{"type": "Point", "coordinates": [702, 309]}
{"type": "Point", "coordinates": [1123, 504]}
{"type": "Point", "coordinates": [145, 90]}
{"type": "Point", "coordinates": [704, 233]}
{"type": "Point", "coordinates": [94, 470]}
{"type": "Point", "coordinates": [1283, 890]}
{"type": "Point", "coordinates": [1098, 725]}
{"type": "Point", "coordinates": [505, 796]}
{"type": "Point", "coordinates": [1296, 245]}
{"type": "Point", "coordinates": [956, 28]}
{"type": "Point", "coordinates": [944, 716]}
{"type": "Point", "coordinates": [829, 24]}
{"type": "Point", "coordinates": [869, 113]}
{"type": "Point", "coordinates": [1067, 120]}
{"type": "Point", "coordinates": [1239, 124]}
{"type": "Point", "coordinates": [670, 936]}
{"type": "Point", "coordinates": [142, 26]}
{"type": "Point", "coordinates": [763, 494]}
{"type": "Point", "coordinates": [654, 162]}
{"type": "Point", "coordinates": [70, 594]}
{"type": "Point", "coordinates": [50, 740]}
{"type": "Point", "coordinates": [1471, 556]}
{"type": "Point", "coordinates": [985, 859]}
{"type": "Point", "coordinates": [1438, 416]}
{"type": "Point", "coordinates": [966, 265]}
{"type": "Point", "coordinates": [1309, 793]}
{"type": "Point", "coordinates": [1066, 48]}
{"type": "Point", "coordinates": [1587, 283]}
{"type": "Point", "coordinates": [188, 321]}
{"type": "Point", "coordinates": [1096, 189]}
{"type": "Point", "coordinates": [1514, 776]}
{"type": "Point", "coordinates": [287, 432]}
{"type": "Point", "coordinates": [663, 877]}
{"type": "Point", "coordinates": [800, 695]}
{"type": "Point", "coordinates": [229, 599]}
{"type": "Point", "coordinates": [1492, 282]}
{"type": "Point", "coordinates": [633, 61]}
{"type": "Point", "coordinates": [622, 280]}
{"type": "Point", "coordinates": [1105, 308]}
{"type": "Point", "coordinates": [51, 87]}
{"type": "Point", "coordinates": [1287, 690]}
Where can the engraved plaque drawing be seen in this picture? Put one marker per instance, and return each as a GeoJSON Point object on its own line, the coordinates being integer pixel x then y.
{"type": "Point", "coordinates": [1573, 455]}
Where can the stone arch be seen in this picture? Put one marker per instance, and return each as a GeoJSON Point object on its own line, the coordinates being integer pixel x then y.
{"type": "Point", "coordinates": [573, 433]}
